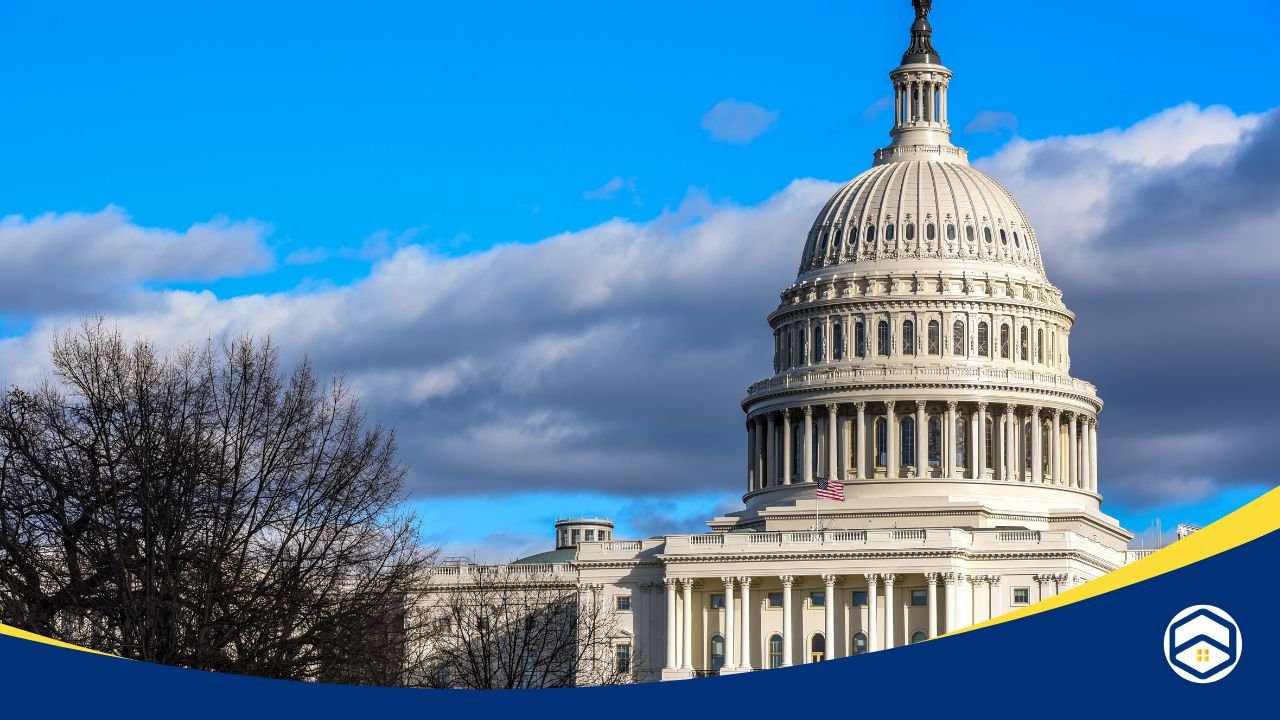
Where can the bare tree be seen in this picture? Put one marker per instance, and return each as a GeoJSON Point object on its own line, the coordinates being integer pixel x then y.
{"type": "Point", "coordinates": [204, 509]}
{"type": "Point", "coordinates": [516, 626]}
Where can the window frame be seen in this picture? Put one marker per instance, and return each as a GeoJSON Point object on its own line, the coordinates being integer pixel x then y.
{"type": "Point", "coordinates": [1013, 598]}
{"type": "Point", "coordinates": [620, 600]}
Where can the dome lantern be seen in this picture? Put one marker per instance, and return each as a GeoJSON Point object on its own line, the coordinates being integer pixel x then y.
{"type": "Point", "coordinates": [920, 124]}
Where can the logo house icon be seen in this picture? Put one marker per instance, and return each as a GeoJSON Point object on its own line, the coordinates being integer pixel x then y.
{"type": "Point", "coordinates": [1202, 644]}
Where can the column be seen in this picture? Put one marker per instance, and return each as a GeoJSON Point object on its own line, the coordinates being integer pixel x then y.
{"type": "Point", "coordinates": [771, 459]}
{"type": "Point", "coordinates": [873, 622]}
{"type": "Point", "coordinates": [1037, 452]}
{"type": "Point", "coordinates": [1010, 447]}
{"type": "Point", "coordinates": [745, 662]}
{"type": "Point", "coordinates": [861, 442]}
{"type": "Point", "coordinates": [897, 105]}
{"type": "Point", "coordinates": [730, 629]}
{"type": "Point", "coordinates": [686, 586]}
{"type": "Point", "coordinates": [1093, 454]}
{"type": "Point", "coordinates": [922, 441]}
{"type": "Point", "coordinates": [993, 598]}
{"type": "Point", "coordinates": [950, 615]}
{"type": "Point", "coordinates": [932, 606]}
{"type": "Point", "coordinates": [964, 601]}
{"type": "Point", "coordinates": [787, 640]}
{"type": "Point", "coordinates": [1055, 426]}
{"type": "Point", "coordinates": [980, 442]}
{"type": "Point", "coordinates": [891, 434]}
{"type": "Point", "coordinates": [942, 100]}
{"type": "Point", "coordinates": [760, 444]}
{"type": "Point", "coordinates": [671, 622]}
{"type": "Point", "coordinates": [833, 462]}
{"type": "Point", "coordinates": [889, 610]}
{"type": "Point", "coordinates": [807, 451]}
{"type": "Point", "coordinates": [829, 613]}
{"type": "Point", "coordinates": [949, 447]}
{"type": "Point", "coordinates": [1073, 453]}
{"type": "Point", "coordinates": [787, 470]}
{"type": "Point", "coordinates": [1040, 582]}
{"type": "Point", "coordinates": [751, 455]}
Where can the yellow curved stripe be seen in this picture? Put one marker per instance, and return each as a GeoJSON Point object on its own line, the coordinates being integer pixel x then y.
{"type": "Point", "coordinates": [1249, 523]}
{"type": "Point", "coordinates": [24, 635]}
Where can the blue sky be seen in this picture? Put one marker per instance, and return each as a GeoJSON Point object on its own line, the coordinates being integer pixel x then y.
{"type": "Point", "coordinates": [321, 149]}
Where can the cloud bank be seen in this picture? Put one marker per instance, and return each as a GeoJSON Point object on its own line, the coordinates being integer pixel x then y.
{"type": "Point", "coordinates": [612, 359]}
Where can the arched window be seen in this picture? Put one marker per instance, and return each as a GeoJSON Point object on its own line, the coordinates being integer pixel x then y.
{"type": "Point", "coordinates": [1023, 350]}
{"type": "Point", "coordinates": [871, 233]}
{"type": "Point", "coordinates": [860, 340]}
{"type": "Point", "coordinates": [859, 643]}
{"type": "Point", "coordinates": [803, 355]}
{"type": "Point", "coordinates": [935, 337]}
{"type": "Point", "coordinates": [911, 231]}
{"type": "Point", "coordinates": [1044, 443]}
{"type": "Point", "coordinates": [968, 232]}
{"type": "Point", "coordinates": [1026, 446]}
{"type": "Point", "coordinates": [775, 651]}
{"type": "Point", "coordinates": [957, 339]}
{"type": "Point", "coordinates": [917, 637]}
{"type": "Point", "coordinates": [1004, 341]}
{"type": "Point", "coordinates": [908, 441]}
{"type": "Point", "coordinates": [1016, 242]}
{"type": "Point", "coordinates": [986, 446]}
{"type": "Point", "coordinates": [1004, 239]}
{"type": "Point", "coordinates": [797, 450]}
{"type": "Point", "coordinates": [777, 352]}
{"type": "Point", "coordinates": [853, 239]}
{"type": "Point", "coordinates": [962, 441]}
{"type": "Point", "coordinates": [908, 337]}
{"type": "Point", "coordinates": [817, 344]}
{"type": "Point", "coordinates": [823, 251]}
{"type": "Point", "coordinates": [935, 441]}
{"type": "Point", "coordinates": [951, 231]}
{"type": "Point", "coordinates": [929, 231]}
{"type": "Point", "coordinates": [817, 648]}
{"type": "Point", "coordinates": [888, 231]}
{"type": "Point", "coordinates": [837, 340]}
{"type": "Point", "coordinates": [986, 234]}
{"type": "Point", "coordinates": [984, 346]}
{"type": "Point", "coordinates": [1040, 345]}
{"type": "Point", "coordinates": [882, 339]}
{"type": "Point", "coordinates": [835, 240]}
{"type": "Point", "coordinates": [717, 653]}
{"type": "Point", "coordinates": [882, 443]}
{"type": "Point", "coordinates": [786, 347]}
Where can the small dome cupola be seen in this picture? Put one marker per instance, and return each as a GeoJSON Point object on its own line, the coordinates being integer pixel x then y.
{"type": "Point", "coordinates": [920, 83]}
{"type": "Point", "coordinates": [570, 532]}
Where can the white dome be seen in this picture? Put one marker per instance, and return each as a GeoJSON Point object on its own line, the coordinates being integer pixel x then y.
{"type": "Point", "coordinates": [904, 212]}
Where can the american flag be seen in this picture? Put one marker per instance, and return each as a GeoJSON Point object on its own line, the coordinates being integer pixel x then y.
{"type": "Point", "coordinates": [830, 490]}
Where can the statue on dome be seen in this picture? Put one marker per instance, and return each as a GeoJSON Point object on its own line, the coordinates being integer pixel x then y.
{"type": "Point", "coordinates": [922, 7]}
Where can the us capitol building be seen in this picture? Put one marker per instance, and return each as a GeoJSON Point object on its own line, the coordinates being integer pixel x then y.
{"type": "Point", "coordinates": [922, 361]}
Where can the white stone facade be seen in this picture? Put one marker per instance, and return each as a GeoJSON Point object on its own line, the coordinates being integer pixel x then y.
{"type": "Point", "coordinates": [921, 359]}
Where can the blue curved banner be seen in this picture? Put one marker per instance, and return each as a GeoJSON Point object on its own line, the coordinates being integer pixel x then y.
{"type": "Point", "coordinates": [1104, 655]}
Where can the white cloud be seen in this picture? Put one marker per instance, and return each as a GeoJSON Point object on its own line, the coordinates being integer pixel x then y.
{"type": "Point", "coordinates": [610, 189]}
{"type": "Point", "coordinates": [992, 121]}
{"type": "Point", "coordinates": [94, 261]}
{"type": "Point", "coordinates": [734, 121]}
{"type": "Point", "coordinates": [881, 106]}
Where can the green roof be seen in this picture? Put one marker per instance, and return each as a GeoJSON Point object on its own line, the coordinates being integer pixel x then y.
{"type": "Point", "coordinates": [551, 556]}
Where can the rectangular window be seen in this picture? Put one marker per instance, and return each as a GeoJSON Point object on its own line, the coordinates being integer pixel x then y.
{"type": "Point", "coordinates": [623, 654]}
{"type": "Point", "coordinates": [919, 597]}
{"type": "Point", "coordinates": [577, 536]}
{"type": "Point", "coordinates": [859, 597]}
{"type": "Point", "coordinates": [622, 602]}
{"type": "Point", "coordinates": [591, 536]}
{"type": "Point", "coordinates": [717, 601]}
{"type": "Point", "coordinates": [1021, 596]}
{"type": "Point", "coordinates": [818, 598]}
{"type": "Point", "coordinates": [775, 599]}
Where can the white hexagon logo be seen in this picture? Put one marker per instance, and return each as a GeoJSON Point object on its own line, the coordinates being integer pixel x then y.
{"type": "Point", "coordinates": [1202, 644]}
